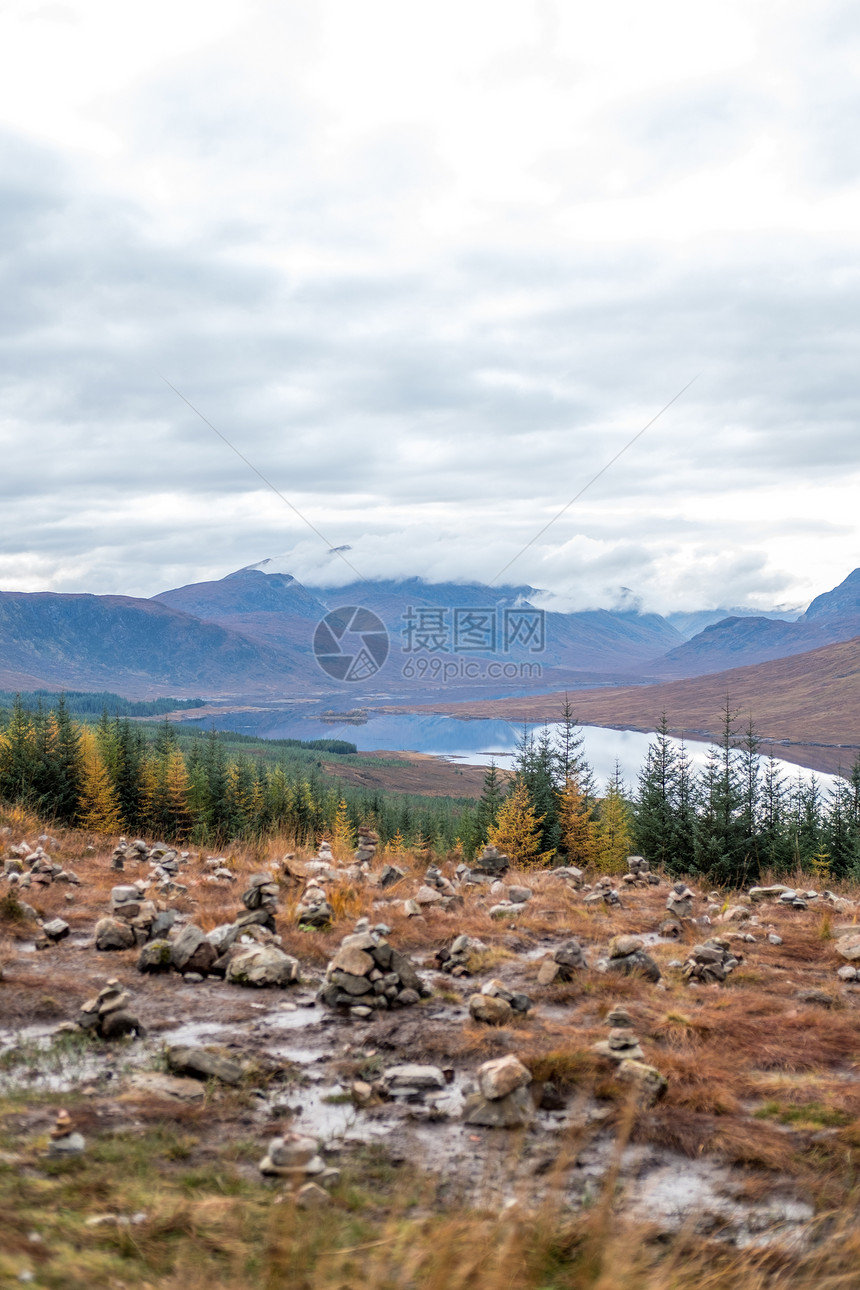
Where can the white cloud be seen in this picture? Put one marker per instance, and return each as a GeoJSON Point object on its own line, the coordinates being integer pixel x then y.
{"type": "Point", "coordinates": [429, 267]}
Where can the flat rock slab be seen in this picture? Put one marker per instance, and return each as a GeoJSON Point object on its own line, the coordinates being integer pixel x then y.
{"type": "Point", "coordinates": [183, 1090]}
{"type": "Point", "coordinates": [200, 1063]}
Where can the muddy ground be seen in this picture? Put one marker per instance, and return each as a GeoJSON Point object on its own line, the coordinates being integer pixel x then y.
{"type": "Point", "coordinates": [749, 1144]}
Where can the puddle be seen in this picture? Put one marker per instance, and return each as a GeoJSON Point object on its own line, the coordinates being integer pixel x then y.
{"type": "Point", "coordinates": [192, 1032]}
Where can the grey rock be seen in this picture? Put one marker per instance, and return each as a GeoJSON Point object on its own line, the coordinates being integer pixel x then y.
{"type": "Point", "coordinates": [112, 934]}
{"type": "Point", "coordinates": [262, 966]}
{"type": "Point", "coordinates": [200, 1063]}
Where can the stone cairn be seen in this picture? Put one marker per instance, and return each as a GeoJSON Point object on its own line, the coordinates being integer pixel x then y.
{"type": "Point", "coordinates": [710, 963]}
{"type": "Point", "coordinates": [108, 1016]}
{"type": "Point", "coordinates": [639, 873]}
{"type": "Point", "coordinates": [502, 1099]}
{"type": "Point", "coordinates": [164, 862]}
{"type": "Point", "coordinates": [436, 890]}
{"type": "Point", "coordinates": [245, 952]}
{"type": "Point", "coordinates": [496, 1004]}
{"type": "Point", "coordinates": [314, 909]}
{"type": "Point", "coordinates": [623, 1049]}
{"type": "Point", "coordinates": [680, 901]}
{"type": "Point", "coordinates": [491, 863]}
{"type": "Point", "coordinates": [603, 893]}
{"type": "Point", "coordinates": [368, 841]}
{"type": "Point", "coordinates": [133, 919]}
{"type": "Point", "coordinates": [295, 1157]}
{"type": "Point", "coordinates": [456, 959]}
{"type": "Point", "coordinates": [367, 974]}
{"type": "Point", "coordinates": [562, 963]}
{"type": "Point", "coordinates": [65, 1141]}
{"type": "Point", "coordinates": [27, 867]}
{"type": "Point", "coordinates": [627, 954]}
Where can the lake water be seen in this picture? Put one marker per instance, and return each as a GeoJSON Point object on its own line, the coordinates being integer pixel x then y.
{"type": "Point", "coordinates": [478, 742]}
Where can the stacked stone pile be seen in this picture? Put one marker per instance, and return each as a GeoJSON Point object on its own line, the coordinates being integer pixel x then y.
{"type": "Point", "coordinates": [603, 893]}
{"type": "Point", "coordinates": [627, 954]}
{"type": "Point", "coordinates": [368, 841]}
{"type": "Point", "coordinates": [502, 1099]}
{"type": "Point", "coordinates": [424, 1088]}
{"type": "Point", "coordinates": [133, 920]}
{"type": "Point", "coordinates": [496, 1004]}
{"type": "Point", "coordinates": [510, 900]}
{"type": "Point", "coordinates": [491, 863]}
{"type": "Point", "coordinates": [680, 901]}
{"type": "Point", "coordinates": [25, 866]}
{"type": "Point", "coordinates": [711, 962]}
{"type": "Point", "coordinates": [65, 1141]}
{"type": "Point", "coordinates": [436, 890]}
{"type": "Point", "coordinates": [108, 1014]}
{"type": "Point", "coordinates": [456, 959]}
{"type": "Point", "coordinates": [368, 974]}
{"type": "Point", "coordinates": [622, 1048]}
{"type": "Point", "coordinates": [296, 1158]}
{"type": "Point", "coordinates": [562, 963]}
{"type": "Point", "coordinates": [639, 873]}
{"type": "Point", "coordinates": [163, 859]}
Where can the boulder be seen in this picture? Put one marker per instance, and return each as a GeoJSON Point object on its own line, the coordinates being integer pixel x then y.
{"type": "Point", "coordinates": [501, 1076]}
{"type": "Point", "coordinates": [263, 965]}
{"type": "Point", "coordinates": [490, 1009]}
{"type": "Point", "coordinates": [200, 1063]}
{"type": "Point", "coordinates": [113, 934]}
{"type": "Point", "coordinates": [513, 1111]}
{"type": "Point", "coordinates": [157, 956]}
{"type": "Point", "coordinates": [192, 952]}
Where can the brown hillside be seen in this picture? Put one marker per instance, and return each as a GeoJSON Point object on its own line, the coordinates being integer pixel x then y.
{"type": "Point", "coordinates": [810, 703]}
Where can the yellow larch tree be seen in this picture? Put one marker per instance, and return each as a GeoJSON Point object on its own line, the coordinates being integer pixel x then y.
{"type": "Point", "coordinates": [517, 829]}
{"type": "Point", "coordinates": [613, 829]}
{"type": "Point", "coordinates": [578, 829]}
{"type": "Point", "coordinates": [98, 804]}
{"type": "Point", "coordinates": [342, 836]}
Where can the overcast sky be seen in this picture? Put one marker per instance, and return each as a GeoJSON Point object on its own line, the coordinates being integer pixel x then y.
{"type": "Point", "coordinates": [429, 266]}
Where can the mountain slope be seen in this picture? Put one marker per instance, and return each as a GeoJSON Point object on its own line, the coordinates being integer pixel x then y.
{"type": "Point", "coordinates": [810, 700]}
{"type": "Point", "coordinates": [741, 641]}
{"type": "Point", "coordinates": [135, 647]}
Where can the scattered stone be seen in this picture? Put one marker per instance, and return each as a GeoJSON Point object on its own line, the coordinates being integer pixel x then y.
{"type": "Point", "coordinates": [310, 1195]}
{"type": "Point", "coordinates": [848, 947]}
{"type": "Point", "coordinates": [456, 959]}
{"type": "Point", "coordinates": [262, 966]}
{"type": "Point", "coordinates": [56, 929]}
{"type": "Point", "coordinates": [411, 1079]}
{"type": "Point", "coordinates": [501, 1076]}
{"type": "Point", "coordinates": [769, 893]}
{"type": "Point", "coordinates": [647, 1081]}
{"type": "Point", "coordinates": [773, 939]}
{"type": "Point", "coordinates": [157, 956]}
{"type": "Point", "coordinates": [192, 951]}
{"type": "Point", "coordinates": [202, 1063]}
{"type": "Point", "coordinates": [390, 876]}
{"type": "Point", "coordinates": [491, 1009]}
{"type": "Point", "coordinates": [847, 973]}
{"type": "Point", "coordinates": [180, 1088]}
{"type": "Point", "coordinates": [113, 934]}
{"type": "Point", "coordinates": [818, 997]}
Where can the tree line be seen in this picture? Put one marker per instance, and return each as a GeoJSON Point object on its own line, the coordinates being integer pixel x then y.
{"type": "Point", "coordinates": [729, 822]}
{"type": "Point", "coordinates": [736, 818]}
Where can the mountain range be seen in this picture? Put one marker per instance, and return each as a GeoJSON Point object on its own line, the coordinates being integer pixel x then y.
{"type": "Point", "coordinates": [252, 633]}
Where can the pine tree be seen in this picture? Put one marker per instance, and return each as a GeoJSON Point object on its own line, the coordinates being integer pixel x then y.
{"type": "Point", "coordinates": [534, 765]}
{"type": "Point", "coordinates": [683, 841]}
{"type": "Point", "coordinates": [654, 825]}
{"type": "Point", "coordinates": [720, 851]}
{"type": "Point", "coordinates": [492, 796]}
{"type": "Point", "coordinates": [517, 832]}
{"type": "Point", "coordinates": [570, 758]}
{"type": "Point", "coordinates": [68, 763]}
{"type": "Point", "coordinates": [578, 829]}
